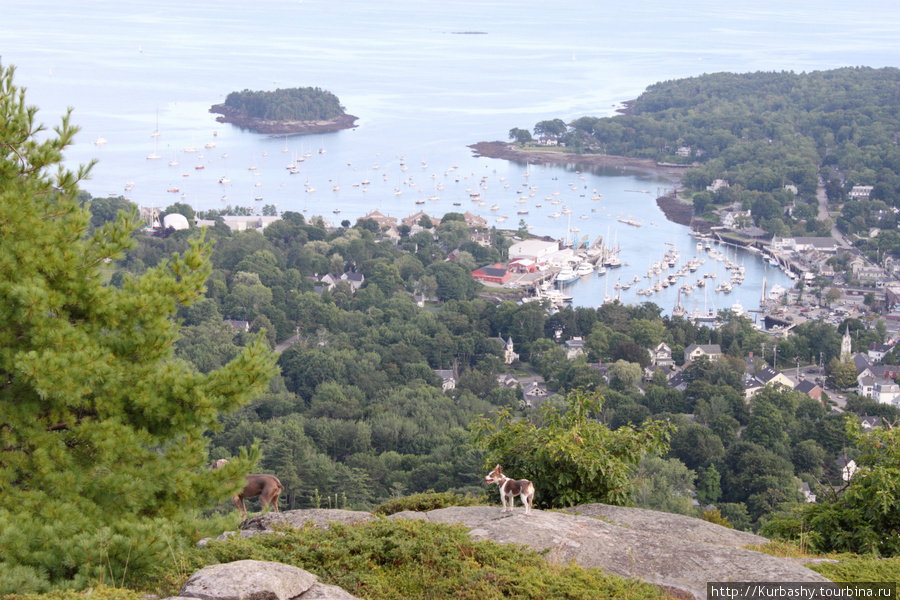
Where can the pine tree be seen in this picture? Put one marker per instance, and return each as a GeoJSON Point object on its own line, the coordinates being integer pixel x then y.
{"type": "Point", "coordinates": [102, 448]}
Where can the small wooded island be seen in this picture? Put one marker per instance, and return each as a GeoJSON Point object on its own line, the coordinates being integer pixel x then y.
{"type": "Point", "coordinates": [294, 110]}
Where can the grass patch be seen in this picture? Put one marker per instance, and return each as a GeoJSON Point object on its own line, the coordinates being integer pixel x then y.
{"type": "Point", "coordinates": [95, 593]}
{"type": "Point", "coordinates": [852, 568]}
{"type": "Point", "coordinates": [849, 568]}
{"type": "Point", "coordinates": [784, 549]}
{"type": "Point", "coordinates": [559, 149]}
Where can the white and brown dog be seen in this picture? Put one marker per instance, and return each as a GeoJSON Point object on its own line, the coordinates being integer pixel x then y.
{"type": "Point", "coordinates": [510, 488]}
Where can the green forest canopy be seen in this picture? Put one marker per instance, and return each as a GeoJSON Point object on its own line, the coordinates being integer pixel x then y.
{"type": "Point", "coordinates": [760, 132]}
{"type": "Point", "coordinates": [294, 104]}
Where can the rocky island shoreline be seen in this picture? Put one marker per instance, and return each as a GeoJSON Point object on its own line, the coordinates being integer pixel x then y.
{"type": "Point", "coordinates": [236, 117]}
{"type": "Point", "coordinates": [675, 209]}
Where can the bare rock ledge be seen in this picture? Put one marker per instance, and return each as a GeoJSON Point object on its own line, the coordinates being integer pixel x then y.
{"type": "Point", "coordinates": [677, 553]}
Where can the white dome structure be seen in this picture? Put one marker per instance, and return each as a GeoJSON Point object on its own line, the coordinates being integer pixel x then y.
{"type": "Point", "coordinates": [175, 221]}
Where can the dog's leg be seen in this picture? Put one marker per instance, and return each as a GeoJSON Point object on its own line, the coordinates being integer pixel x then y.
{"type": "Point", "coordinates": [528, 498]}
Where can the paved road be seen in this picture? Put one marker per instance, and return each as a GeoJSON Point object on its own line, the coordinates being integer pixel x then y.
{"type": "Point", "coordinates": [823, 214]}
{"type": "Point", "coordinates": [286, 343]}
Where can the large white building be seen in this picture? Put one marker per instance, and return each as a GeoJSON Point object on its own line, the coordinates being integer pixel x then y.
{"type": "Point", "coordinates": [533, 249]}
{"type": "Point", "coordinates": [804, 244]}
{"type": "Point", "coordinates": [242, 223]}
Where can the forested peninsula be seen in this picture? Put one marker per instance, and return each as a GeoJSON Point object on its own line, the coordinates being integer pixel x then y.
{"type": "Point", "coordinates": [771, 136]}
{"type": "Point", "coordinates": [294, 110]}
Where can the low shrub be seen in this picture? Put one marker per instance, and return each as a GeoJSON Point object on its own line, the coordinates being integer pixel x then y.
{"type": "Point", "coordinates": [426, 501]}
{"type": "Point", "coordinates": [852, 568]}
{"type": "Point", "coordinates": [398, 559]}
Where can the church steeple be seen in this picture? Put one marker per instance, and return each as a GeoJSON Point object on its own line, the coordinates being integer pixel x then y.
{"type": "Point", "coordinates": [846, 345]}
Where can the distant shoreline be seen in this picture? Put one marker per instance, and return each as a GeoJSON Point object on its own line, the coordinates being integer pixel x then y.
{"type": "Point", "coordinates": [508, 151]}
{"type": "Point", "coordinates": [674, 209]}
{"type": "Point", "coordinates": [235, 117]}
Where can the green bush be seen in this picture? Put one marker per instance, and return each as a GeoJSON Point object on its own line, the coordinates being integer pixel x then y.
{"type": "Point", "coordinates": [426, 501]}
{"type": "Point", "coordinates": [714, 515]}
{"type": "Point", "coordinates": [96, 593]}
{"type": "Point", "coordinates": [572, 458]}
{"type": "Point", "coordinates": [863, 517]}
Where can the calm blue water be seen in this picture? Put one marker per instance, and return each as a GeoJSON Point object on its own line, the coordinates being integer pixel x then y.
{"type": "Point", "coordinates": [422, 93]}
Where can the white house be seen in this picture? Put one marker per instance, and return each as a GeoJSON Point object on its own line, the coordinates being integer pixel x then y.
{"type": "Point", "coordinates": [848, 467]}
{"type": "Point", "coordinates": [661, 356]}
{"type": "Point", "coordinates": [860, 192]}
{"type": "Point", "coordinates": [865, 386]}
{"type": "Point", "coordinates": [729, 218]}
{"type": "Point", "coordinates": [534, 393]}
{"type": "Point", "coordinates": [769, 376]}
{"type": "Point", "coordinates": [885, 392]}
{"type": "Point", "coordinates": [807, 493]}
{"type": "Point", "coordinates": [713, 351]}
{"type": "Point", "coordinates": [448, 378]}
{"type": "Point", "coordinates": [574, 347]}
{"type": "Point", "coordinates": [876, 352]}
{"type": "Point", "coordinates": [356, 280]}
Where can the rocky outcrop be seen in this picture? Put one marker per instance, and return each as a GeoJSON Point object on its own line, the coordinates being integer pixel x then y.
{"type": "Point", "coordinates": [320, 517]}
{"type": "Point", "coordinates": [679, 554]}
{"type": "Point", "coordinates": [507, 151]}
{"type": "Point", "coordinates": [258, 580]}
{"type": "Point", "coordinates": [681, 212]}
{"type": "Point", "coordinates": [236, 117]}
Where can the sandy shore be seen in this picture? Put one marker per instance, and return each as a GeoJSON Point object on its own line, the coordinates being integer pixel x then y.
{"type": "Point", "coordinates": [675, 209]}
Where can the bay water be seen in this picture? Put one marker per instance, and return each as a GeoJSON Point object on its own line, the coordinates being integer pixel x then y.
{"type": "Point", "coordinates": [426, 79]}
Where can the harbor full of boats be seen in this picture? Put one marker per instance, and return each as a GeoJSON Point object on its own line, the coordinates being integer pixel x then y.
{"type": "Point", "coordinates": [647, 260]}
{"type": "Point", "coordinates": [708, 274]}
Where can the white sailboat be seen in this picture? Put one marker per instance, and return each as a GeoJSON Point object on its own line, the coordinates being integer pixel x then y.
{"type": "Point", "coordinates": [679, 310]}
{"type": "Point", "coordinates": [155, 155]}
{"type": "Point", "coordinates": [155, 133]}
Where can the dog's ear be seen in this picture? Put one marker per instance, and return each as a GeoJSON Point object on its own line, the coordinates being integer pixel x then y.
{"type": "Point", "coordinates": [497, 468]}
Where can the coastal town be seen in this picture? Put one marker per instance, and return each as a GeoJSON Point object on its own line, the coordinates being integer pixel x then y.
{"type": "Point", "coordinates": [540, 269]}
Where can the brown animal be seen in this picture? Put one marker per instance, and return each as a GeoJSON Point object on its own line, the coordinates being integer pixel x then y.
{"type": "Point", "coordinates": [510, 488]}
{"type": "Point", "coordinates": [267, 487]}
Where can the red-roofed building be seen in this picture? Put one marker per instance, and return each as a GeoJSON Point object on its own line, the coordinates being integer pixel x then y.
{"type": "Point", "coordinates": [491, 273]}
{"type": "Point", "coordinates": [523, 265]}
